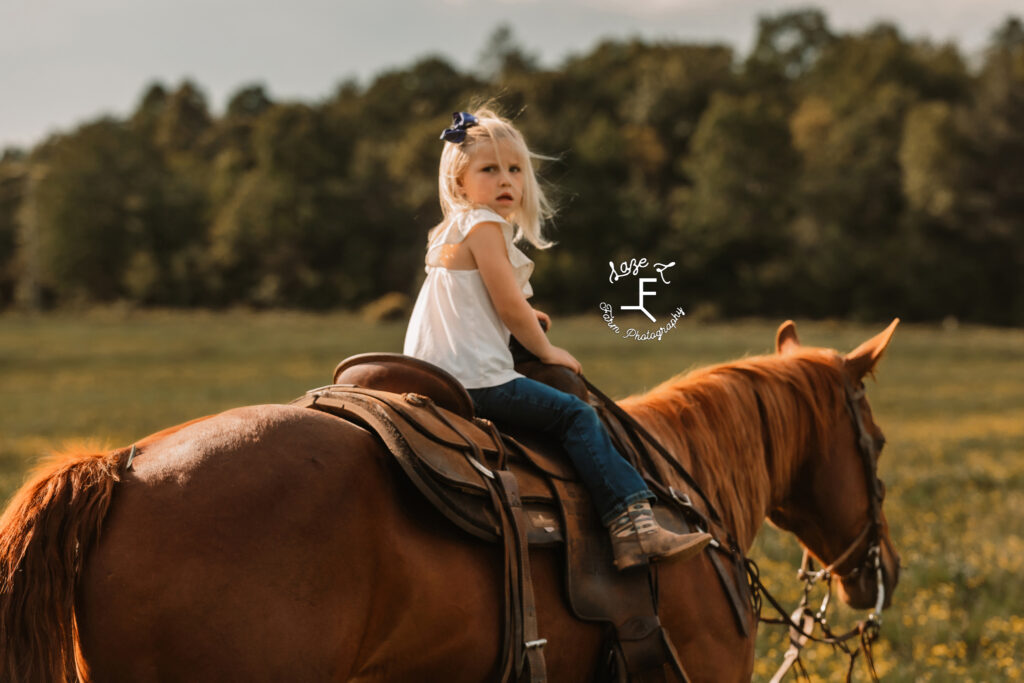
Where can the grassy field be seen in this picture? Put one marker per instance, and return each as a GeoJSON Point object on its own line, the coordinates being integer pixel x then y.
{"type": "Point", "coordinates": [950, 401]}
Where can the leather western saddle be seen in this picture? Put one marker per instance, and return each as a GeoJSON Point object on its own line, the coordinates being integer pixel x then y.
{"type": "Point", "coordinates": [517, 489]}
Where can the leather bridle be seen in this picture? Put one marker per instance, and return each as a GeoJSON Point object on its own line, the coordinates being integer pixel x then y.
{"type": "Point", "coordinates": [803, 620]}
{"type": "Point", "coordinates": [868, 448]}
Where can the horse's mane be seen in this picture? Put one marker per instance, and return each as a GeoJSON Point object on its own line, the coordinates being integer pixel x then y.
{"type": "Point", "coordinates": [740, 427]}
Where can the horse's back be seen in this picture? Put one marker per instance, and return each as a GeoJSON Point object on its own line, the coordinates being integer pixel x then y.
{"type": "Point", "coordinates": [247, 547]}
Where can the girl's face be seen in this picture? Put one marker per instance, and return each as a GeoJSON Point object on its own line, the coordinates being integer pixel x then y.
{"type": "Point", "coordinates": [494, 178]}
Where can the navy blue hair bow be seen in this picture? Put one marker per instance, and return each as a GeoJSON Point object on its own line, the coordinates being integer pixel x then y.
{"type": "Point", "coordinates": [461, 121]}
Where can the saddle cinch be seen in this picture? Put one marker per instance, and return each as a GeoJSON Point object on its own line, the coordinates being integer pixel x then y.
{"type": "Point", "coordinates": [516, 489]}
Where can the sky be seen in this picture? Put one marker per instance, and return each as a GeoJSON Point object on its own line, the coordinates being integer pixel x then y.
{"type": "Point", "coordinates": [64, 62]}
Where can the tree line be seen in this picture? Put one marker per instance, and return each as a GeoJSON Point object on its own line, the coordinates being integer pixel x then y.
{"type": "Point", "coordinates": [824, 174]}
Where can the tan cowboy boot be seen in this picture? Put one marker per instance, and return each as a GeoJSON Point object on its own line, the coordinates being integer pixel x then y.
{"type": "Point", "coordinates": [637, 539]}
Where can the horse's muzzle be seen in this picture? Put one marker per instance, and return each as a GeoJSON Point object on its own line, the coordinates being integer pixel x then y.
{"type": "Point", "coordinates": [860, 591]}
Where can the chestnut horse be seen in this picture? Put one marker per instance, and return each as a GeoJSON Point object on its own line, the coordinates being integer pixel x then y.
{"type": "Point", "coordinates": [272, 543]}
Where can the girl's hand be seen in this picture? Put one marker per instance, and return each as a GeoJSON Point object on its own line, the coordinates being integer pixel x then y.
{"type": "Point", "coordinates": [544, 319]}
{"type": "Point", "coordinates": [559, 356]}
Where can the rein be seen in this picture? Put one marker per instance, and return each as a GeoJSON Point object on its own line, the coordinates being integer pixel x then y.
{"type": "Point", "coordinates": [803, 621]}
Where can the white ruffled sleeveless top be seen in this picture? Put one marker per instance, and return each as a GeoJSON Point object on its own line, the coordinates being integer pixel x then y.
{"type": "Point", "coordinates": [454, 325]}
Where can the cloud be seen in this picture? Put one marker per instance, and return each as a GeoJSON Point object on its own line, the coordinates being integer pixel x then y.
{"type": "Point", "coordinates": [66, 59]}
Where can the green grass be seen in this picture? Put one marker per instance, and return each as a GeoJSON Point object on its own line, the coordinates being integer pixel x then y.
{"type": "Point", "coordinates": [950, 401]}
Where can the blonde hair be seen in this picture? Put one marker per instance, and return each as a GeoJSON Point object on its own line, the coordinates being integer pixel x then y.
{"type": "Point", "coordinates": [491, 129]}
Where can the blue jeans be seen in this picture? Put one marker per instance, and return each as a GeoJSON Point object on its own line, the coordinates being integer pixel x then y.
{"type": "Point", "coordinates": [523, 402]}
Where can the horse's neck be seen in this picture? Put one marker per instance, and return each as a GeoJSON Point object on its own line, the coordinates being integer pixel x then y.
{"type": "Point", "coordinates": [740, 439]}
{"type": "Point", "coordinates": [738, 488]}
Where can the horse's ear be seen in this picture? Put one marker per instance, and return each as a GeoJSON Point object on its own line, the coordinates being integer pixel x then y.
{"type": "Point", "coordinates": [786, 339]}
{"type": "Point", "coordinates": [863, 359]}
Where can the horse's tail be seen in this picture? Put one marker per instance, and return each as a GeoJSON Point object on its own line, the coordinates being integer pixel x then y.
{"type": "Point", "coordinates": [45, 535]}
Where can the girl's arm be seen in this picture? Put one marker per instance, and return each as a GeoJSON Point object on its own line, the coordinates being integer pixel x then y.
{"type": "Point", "coordinates": [487, 244]}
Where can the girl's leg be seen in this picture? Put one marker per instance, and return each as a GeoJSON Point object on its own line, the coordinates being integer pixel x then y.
{"type": "Point", "coordinates": [613, 483]}
{"type": "Point", "coordinates": [619, 493]}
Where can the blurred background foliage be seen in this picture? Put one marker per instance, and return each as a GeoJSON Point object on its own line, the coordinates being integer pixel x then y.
{"type": "Point", "coordinates": [860, 175]}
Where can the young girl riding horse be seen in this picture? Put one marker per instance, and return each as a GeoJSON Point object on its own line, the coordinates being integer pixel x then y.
{"type": "Point", "coordinates": [475, 296]}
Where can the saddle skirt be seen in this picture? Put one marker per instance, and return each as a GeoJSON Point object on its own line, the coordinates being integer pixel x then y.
{"type": "Point", "coordinates": [448, 457]}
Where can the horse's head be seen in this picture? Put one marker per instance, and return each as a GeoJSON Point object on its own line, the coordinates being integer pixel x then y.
{"type": "Point", "coordinates": [835, 503]}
